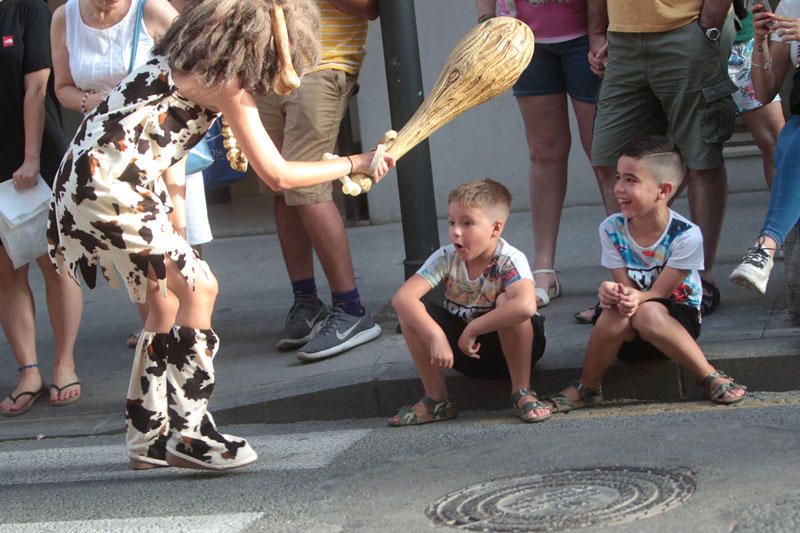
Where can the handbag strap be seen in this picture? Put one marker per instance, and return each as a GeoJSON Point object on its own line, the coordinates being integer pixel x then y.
{"type": "Point", "coordinates": [136, 29]}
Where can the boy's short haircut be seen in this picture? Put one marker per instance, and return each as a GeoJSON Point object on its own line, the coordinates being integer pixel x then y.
{"type": "Point", "coordinates": [485, 194]}
{"type": "Point", "coordinates": [661, 155]}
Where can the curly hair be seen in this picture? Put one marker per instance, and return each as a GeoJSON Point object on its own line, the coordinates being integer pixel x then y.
{"type": "Point", "coordinates": [218, 40]}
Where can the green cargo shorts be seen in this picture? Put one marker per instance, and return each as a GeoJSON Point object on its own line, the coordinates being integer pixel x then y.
{"type": "Point", "coordinates": [672, 83]}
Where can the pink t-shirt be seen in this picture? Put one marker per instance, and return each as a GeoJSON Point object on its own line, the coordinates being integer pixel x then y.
{"type": "Point", "coordinates": [552, 21]}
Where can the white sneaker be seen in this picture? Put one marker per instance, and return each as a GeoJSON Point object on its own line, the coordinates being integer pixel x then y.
{"type": "Point", "coordinates": [753, 272]}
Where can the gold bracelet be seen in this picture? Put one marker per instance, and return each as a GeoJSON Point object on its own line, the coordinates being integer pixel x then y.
{"type": "Point", "coordinates": [83, 102]}
{"type": "Point", "coordinates": [351, 165]}
{"type": "Point", "coordinates": [765, 66]}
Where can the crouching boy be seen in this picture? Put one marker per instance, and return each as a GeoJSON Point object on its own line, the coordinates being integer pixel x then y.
{"type": "Point", "coordinates": [488, 327]}
{"type": "Point", "coordinates": [652, 308]}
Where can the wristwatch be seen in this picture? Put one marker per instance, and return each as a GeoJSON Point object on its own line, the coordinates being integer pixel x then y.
{"type": "Point", "coordinates": [712, 34]}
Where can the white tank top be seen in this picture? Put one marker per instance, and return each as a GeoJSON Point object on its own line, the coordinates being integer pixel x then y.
{"type": "Point", "coordinates": [99, 59]}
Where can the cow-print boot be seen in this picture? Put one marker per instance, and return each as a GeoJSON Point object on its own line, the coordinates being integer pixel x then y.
{"type": "Point", "coordinates": [146, 410]}
{"type": "Point", "coordinates": [195, 441]}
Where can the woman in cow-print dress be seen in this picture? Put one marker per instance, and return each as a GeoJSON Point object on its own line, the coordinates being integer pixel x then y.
{"type": "Point", "coordinates": [110, 208]}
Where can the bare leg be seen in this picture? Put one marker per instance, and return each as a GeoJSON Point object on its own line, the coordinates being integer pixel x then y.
{"type": "Point", "coordinates": [584, 114]}
{"type": "Point", "coordinates": [17, 320]}
{"type": "Point", "coordinates": [516, 342]}
{"type": "Point", "coordinates": [708, 194]}
{"type": "Point", "coordinates": [295, 242]}
{"type": "Point", "coordinates": [431, 377]}
{"type": "Point", "coordinates": [548, 136]}
{"type": "Point", "coordinates": [183, 305]}
{"type": "Point", "coordinates": [611, 330]}
{"type": "Point", "coordinates": [65, 306]}
{"type": "Point", "coordinates": [656, 326]}
{"type": "Point", "coordinates": [606, 177]}
{"type": "Point", "coordinates": [324, 226]}
{"type": "Point", "coordinates": [765, 124]}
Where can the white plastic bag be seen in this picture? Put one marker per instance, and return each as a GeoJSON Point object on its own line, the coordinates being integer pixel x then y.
{"type": "Point", "coordinates": [23, 221]}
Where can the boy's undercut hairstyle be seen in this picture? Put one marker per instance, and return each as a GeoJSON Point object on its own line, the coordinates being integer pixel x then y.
{"type": "Point", "coordinates": [486, 194]}
{"type": "Point", "coordinates": [662, 156]}
{"type": "Point", "coordinates": [218, 40]}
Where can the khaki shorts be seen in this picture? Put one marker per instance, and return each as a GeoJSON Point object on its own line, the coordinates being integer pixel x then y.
{"type": "Point", "coordinates": [674, 83]}
{"type": "Point", "coordinates": [304, 125]}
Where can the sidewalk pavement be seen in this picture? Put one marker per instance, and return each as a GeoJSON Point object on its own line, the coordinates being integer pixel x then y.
{"type": "Point", "coordinates": [751, 337]}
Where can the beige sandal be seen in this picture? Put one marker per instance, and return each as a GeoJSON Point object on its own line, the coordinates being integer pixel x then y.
{"type": "Point", "coordinates": [545, 295]}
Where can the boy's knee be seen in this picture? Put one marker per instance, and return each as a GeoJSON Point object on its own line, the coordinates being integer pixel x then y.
{"type": "Point", "coordinates": [651, 316]}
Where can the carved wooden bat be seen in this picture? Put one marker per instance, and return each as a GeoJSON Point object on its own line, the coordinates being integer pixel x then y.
{"type": "Point", "coordinates": [484, 64]}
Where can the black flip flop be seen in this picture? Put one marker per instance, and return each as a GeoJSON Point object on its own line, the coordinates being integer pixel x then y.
{"type": "Point", "coordinates": [27, 405]}
{"type": "Point", "coordinates": [581, 319]}
{"type": "Point", "coordinates": [59, 403]}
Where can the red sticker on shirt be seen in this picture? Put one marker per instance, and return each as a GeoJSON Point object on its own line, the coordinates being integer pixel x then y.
{"type": "Point", "coordinates": [8, 40]}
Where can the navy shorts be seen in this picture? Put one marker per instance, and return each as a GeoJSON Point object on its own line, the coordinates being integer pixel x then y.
{"type": "Point", "coordinates": [560, 67]}
{"type": "Point", "coordinates": [639, 349]}
{"type": "Point", "coordinates": [492, 364]}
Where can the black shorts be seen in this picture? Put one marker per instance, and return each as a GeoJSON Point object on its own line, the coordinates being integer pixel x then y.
{"type": "Point", "coordinates": [492, 364]}
{"type": "Point", "coordinates": [639, 349]}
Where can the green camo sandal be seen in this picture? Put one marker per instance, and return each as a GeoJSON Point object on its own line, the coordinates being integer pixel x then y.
{"type": "Point", "coordinates": [717, 394]}
{"type": "Point", "coordinates": [437, 412]}
{"type": "Point", "coordinates": [589, 398]}
{"type": "Point", "coordinates": [529, 406]}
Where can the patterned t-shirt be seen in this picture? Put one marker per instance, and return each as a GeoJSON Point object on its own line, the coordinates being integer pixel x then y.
{"type": "Point", "coordinates": [679, 247]}
{"type": "Point", "coordinates": [471, 298]}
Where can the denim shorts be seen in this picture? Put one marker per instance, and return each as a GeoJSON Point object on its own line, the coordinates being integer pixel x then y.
{"type": "Point", "coordinates": [560, 67]}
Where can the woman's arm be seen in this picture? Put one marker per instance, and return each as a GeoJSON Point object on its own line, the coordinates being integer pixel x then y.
{"type": "Point", "coordinates": [771, 59]}
{"type": "Point", "coordinates": [240, 111]}
{"type": "Point", "coordinates": [67, 92]}
{"type": "Point", "coordinates": [175, 180]}
{"type": "Point", "coordinates": [158, 17]}
{"type": "Point", "coordinates": [33, 120]}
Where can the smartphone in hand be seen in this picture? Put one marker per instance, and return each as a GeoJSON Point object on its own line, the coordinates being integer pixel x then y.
{"type": "Point", "coordinates": [761, 6]}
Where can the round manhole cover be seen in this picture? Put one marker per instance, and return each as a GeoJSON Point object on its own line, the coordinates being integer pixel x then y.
{"type": "Point", "coordinates": [565, 499]}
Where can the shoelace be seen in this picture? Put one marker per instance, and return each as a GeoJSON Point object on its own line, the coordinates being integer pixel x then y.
{"type": "Point", "coordinates": [297, 308]}
{"type": "Point", "coordinates": [336, 315]}
{"type": "Point", "coordinates": [756, 256]}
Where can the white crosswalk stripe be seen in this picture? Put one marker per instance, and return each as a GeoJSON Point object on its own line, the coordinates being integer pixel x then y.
{"type": "Point", "coordinates": [296, 451]}
{"type": "Point", "coordinates": [233, 523]}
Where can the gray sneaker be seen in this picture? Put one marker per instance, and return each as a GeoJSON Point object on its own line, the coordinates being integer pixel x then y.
{"type": "Point", "coordinates": [304, 319]}
{"type": "Point", "coordinates": [339, 333]}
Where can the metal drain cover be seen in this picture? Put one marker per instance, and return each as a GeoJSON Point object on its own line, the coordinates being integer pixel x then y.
{"type": "Point", "coordinates": [565, 499]}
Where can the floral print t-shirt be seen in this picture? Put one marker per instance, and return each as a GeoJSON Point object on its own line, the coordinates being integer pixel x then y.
{"type": "Point", "coordinates": [679, 247]}
{"type": "Point", "coordinates": [470, 298]}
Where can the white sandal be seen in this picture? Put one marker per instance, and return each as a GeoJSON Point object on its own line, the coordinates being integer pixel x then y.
{"type": "Point", "coordinates": [545, 295]}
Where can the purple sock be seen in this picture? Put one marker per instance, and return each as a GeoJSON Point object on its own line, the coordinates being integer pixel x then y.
{"type": "Point", "coordinates": [305, 289]}
{"type": "Point", "coordinates": [349, 302]}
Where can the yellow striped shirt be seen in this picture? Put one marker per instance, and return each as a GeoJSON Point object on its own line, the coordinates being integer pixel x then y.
{"type": "Point", "coordinates": [344, 39]}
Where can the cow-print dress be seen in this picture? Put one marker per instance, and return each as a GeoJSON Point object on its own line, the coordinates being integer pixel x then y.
{"type": "Point", "coordinates": [110, 205]}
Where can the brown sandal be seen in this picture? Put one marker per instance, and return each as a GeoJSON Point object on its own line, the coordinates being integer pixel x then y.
{"type": "Point", "coordinates": [527, 407]}
{"type": "Point", "coordinates": [33, 396]}
{"type": "Point", "coordinates": [717, 395]}
{"type": "Point", "coordinates": [437, 412]}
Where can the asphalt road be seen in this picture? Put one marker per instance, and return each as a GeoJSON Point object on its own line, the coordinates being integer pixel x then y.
{"type": "Point", "coordinates": [652, 467]}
